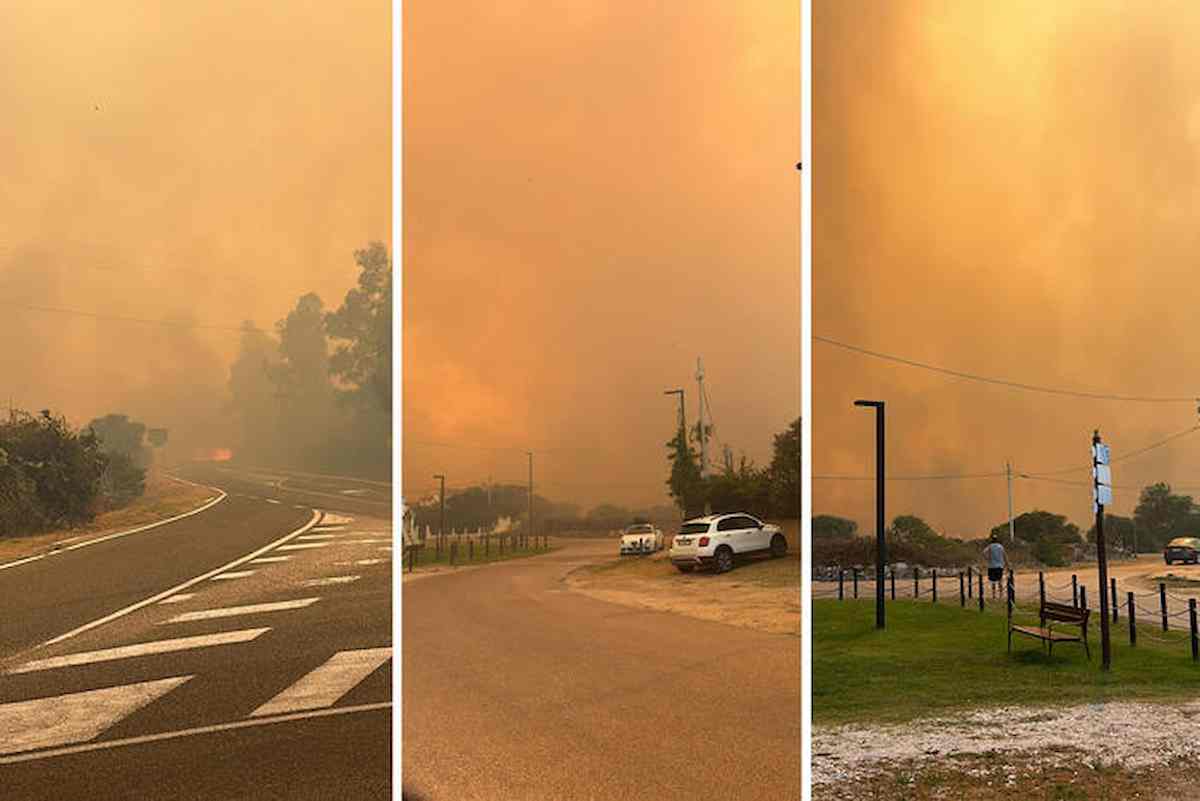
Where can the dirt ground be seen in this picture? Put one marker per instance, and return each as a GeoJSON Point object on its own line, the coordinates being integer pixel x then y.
{"type": "Point", "coordinates": [164, 497]}
{"type": "Point", "coordinates": [762, 594]}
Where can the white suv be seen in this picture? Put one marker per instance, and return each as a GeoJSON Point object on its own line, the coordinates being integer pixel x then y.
{"type": "Point", "coordinates": [641, 538]}
{"type": "Point", "coordinates": [715, 540]}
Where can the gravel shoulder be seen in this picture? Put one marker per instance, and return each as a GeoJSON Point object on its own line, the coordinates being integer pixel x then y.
{"type": "Point", "coordinates": [1109, 750]}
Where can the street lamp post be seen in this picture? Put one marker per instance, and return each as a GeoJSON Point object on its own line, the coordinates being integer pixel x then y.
{"type": "Point", "coordinates": [880, 540]}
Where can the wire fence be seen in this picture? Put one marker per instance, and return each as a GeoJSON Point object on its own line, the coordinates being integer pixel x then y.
{"type": "Point", "coordinates": [456, 549]}
{"type": "Point", "coordinates": [1158, 615]}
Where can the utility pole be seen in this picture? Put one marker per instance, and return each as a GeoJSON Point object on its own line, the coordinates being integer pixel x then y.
{"type": "Point", "coordinates": [1012, 537]}
{"type": "Point", "coordinates": [880, 539]}
{"type": "Point", "coordinates": [700, 424]}
{"type": "Point", "coordinates": [441, 505]}
{"type": "Point", "coordinates": [530, 492]}
{"type": "Point", "coordinates": [1102, 492]}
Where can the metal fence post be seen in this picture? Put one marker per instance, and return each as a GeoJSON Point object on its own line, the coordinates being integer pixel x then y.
{"type": "Point", "coordinates": [1162, 602]}
{"type": "Point", "coordinates": [1132, 621]}
{"type": "Point", "coordinates": [962, 591]}
{"type": "Point", "coordinates": [1114, 598]}
{"type": "Point", "coordinates": [935, 585]}
{"type": "Point", "coordinates": [1041, 588]}
{"type": "Point", "coordinates": [916, 583]}
{"type": "Point", "coordinates": [1074, 591]}
{"type": "Point", "coordinates": [980, 575]}
{"type": "Point", "coordinates": [970, 582]}
{"type": "Point", "coordinates": [1083, 596]}
{"type": "Point", "coordinates": [841, 584]}
{"type": "Point", "coordinates": [893, 584]}
{"type": "Point", "coordinates": [1192, 618]}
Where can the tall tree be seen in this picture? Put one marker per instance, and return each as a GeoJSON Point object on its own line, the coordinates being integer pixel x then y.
{"type": "Point", "coordinates": [1161, 515]}
{"type": "Point", "coordinates": [302, 379]}
{"type": "Point", "coordinates": [784, 472]}
{"type": "Point", "coordinates": [684, 484]}
{"type": "Point", "coordinates": [118, 434]}
{"type": "Point", "coordinates": [831, 527]}
{"type": "Point", "coordinates": [362, 326]}
{"type": "Point", "coordinates": [254, 398]}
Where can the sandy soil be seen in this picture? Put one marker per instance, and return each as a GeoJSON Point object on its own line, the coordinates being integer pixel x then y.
{"type": "Point", "coordinates": [762, 595]}
{"type": "Point", "coordinates": [1087, 751]}
{"type": "Point", "coordinates": [165, 497]}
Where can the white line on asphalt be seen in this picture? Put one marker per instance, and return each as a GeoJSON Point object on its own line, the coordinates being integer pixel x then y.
{"type": "Point", "coordinates": [318, 537]}
{"type": "Point", "coordinates": [263, 560]}
{"type": "Point", "coordinates": [370, 561]}
{"type": "Point", "coordinates": [178, 599]}
{"type": "Point", "coordinates": [330, 580]}
{"type": "Point", "coordinates": [75, 718]}
{"type": "Point", "coordinates": [234, 611]}
{"type": "Point", "coordinates": [321, 688]}
{"type": "Point", "coordinates": [271, 500]}
{"type": "Point", "coordinates": [113, 536]}
{"type": "Point", "coordinates": [386, 548]}
{"type": "Point", "coordinates": [241, 560]}
{"type": "Point", "coordinates": [141, 649]}
{"type": "Point", "coordinates": [366, 542]}
{"type": "Point", "coordinates": [171, 735]}
{"type": "Point", "coordinates": [235, 574]}
{"type": "Point", "coordinates": [300, 546]}
{"type": "Point", "coordinates": [330, 528]}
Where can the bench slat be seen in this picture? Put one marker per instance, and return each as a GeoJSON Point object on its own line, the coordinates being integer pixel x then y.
{"type": "Point", "coordinates": [1046, 634]}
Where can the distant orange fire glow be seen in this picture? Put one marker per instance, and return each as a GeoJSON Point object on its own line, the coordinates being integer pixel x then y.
{"type": "Point", "coordinates": [219, 455]}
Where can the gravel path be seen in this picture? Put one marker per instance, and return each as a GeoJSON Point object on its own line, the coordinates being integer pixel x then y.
{"type": "Point", "coordinates": [1135, 736]}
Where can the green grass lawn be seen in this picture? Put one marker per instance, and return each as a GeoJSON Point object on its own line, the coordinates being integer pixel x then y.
{"type": "Point", "coordinates": [936, 659]}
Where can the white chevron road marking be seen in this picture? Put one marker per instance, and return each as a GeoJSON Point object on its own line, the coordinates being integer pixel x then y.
{"type": "Point", "coordinates": [234, 574]}
{"type": "Point", "coordinates": [300, 546]}
{"type": "Point", "coordinates": [141, 649]}
{"type": "Point", "coordinates": [234, 611]}
{"type": "Point", "coordinates": [178, 599]}
{"type": "Point", "coordinates": [322, 687]}
{"type": "Point", "coordinates": [75, 718]}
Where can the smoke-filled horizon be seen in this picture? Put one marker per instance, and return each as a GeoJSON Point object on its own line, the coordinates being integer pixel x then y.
{"type": "Point", "coordinates": [594, 196]}
{"type": "Point", "coordinates": [1008, 191]}
{"type": "Point", "coordinates": [191, 162]}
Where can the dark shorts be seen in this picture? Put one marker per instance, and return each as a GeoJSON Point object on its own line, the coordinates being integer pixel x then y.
{"type": "Point", "coordinates": [995, 573]}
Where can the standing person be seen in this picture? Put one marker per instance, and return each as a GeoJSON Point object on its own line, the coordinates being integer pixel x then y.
{"type": "Point", "coordinates": [996, 560]}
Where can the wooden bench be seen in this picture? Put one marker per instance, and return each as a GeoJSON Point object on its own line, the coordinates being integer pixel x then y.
{"type": "Point", "coordinates": [1051, 613]}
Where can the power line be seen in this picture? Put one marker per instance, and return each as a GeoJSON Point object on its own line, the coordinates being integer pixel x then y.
{"type": "Point", "coordinates": [120, 318]}
{"type": "Point", "coordinates": [1004, 382]}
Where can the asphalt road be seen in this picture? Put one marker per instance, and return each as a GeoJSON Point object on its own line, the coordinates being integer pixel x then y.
{"type": "Point", "coordinates": [268, 679]}
{"type": "Point", "coordinates": [516, 688]}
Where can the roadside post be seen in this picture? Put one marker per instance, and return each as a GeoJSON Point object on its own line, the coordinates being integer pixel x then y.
{"type": "Point", "coordinates": [935, 585]}
{"type": "Point", "coordinates": [880, 538]}
{"type": "Point", "coordinates": [1041, 588]}
{"type": "Point", "coordinates": [1115, 605]}
{"type": "Point", "coordinates": [1192, 619]}
{"type": "Point", "coordinates": [980, 576]}
{"type": "Point", "coordinates": [1162, 602]}
{"type": "Point", "coordinates": [1102, 491]}
{"type": "Point", "coordinates": [1132, 621]}
{"type": "Point", "coordinates": [962, 593]}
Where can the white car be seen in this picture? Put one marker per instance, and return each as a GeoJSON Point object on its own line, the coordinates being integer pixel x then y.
{"type": "Point", "coordinates": [641, 538]}
{"type": "Point", "coordinates": [715, 541]}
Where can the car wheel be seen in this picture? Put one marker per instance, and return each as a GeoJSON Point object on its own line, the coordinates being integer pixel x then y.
{"type": "Point", "coordinates": [723, 559]}
{"type": "Point", "coordinates": [1168, 561]}
{"type": "Point", "coordinates": [778, 546]}
{"type": "Point", "coordinates": [685, 568]}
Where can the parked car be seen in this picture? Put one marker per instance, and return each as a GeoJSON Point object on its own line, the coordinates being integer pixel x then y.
{"type": "Point", "coordinates": [716, 540]}
{"type": "Point", "coordinates": [641, 538]}
{"type": "Point", "coordinates": [1182, 549]}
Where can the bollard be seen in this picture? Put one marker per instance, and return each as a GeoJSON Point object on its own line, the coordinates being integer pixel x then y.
{"type": "Point", "coordinates": [962, 592]}
{"type": "Point", "coordinates": [1162, 602]}
{"type": "Point", "coordinates": [1074, 591]}
{"type": "Point", "coordinates": [970, 582]}
{"type": "Point", "coordinates": [841, 584]}
{"type": "Point", "coordinates": [893, 585]}
{"type": "Point", "coordinates": [1083, 596]}
{"type": "Point", "coordinates": [980, 575]}
{"type": "Point", "coordinates": [916, 583]}
{"type": "Point", "coordinates": [1195, 641]}
{"type": "Point", "coordinates": [935, 585]}
{"type": "Point", "coordinates": [1114, 598]}
{"type": "Point", "coordinates": [1041, 589]}
{"type": "Point", "coordinates": [854, 570]}
{"type": "Point", "coordinates": [1132, 621]}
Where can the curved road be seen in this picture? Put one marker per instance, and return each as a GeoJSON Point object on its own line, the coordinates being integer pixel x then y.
{"type": "Point", "coordinates": [268, 679]}
{"type": "Point", "coordinates": [516, 688]}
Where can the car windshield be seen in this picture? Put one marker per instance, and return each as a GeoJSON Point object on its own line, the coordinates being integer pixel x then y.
{"type": "Point", "coordinates": [641, 528]}
{"type": "Point", "coordinates": [693, 528]}
{"type": "Point", "coordinates": [1184, 542]}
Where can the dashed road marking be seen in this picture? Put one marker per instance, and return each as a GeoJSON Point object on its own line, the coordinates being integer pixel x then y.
{"type": "Point", "coordinates": [271, 500]}
{"type": "Point", "coordinates": [321, 688]}
{"type": "Point", "coordinates": [141, 649]}
{"type": "Point", "coordinates": [234, 574]}
{"type": "Point", "coordinates": [331, 580]}
{"type": "Point", "coordinates": [75, 718]}
{"type": "Point", "coordinates": [234, 611]}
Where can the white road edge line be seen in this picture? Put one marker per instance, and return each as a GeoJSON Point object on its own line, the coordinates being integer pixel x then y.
{"type": "Point", "coordinates": [171, 735]}
{"type": "Point", "coordinates": [189, 583]}
{"type": "Point", "coordinates": [207, 505]}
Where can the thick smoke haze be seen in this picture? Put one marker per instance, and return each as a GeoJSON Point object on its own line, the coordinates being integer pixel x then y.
{"type": "Point", "coordinates": [594, 195]}
{"type": "Point", "coordinates": [200, 162]}
{"type": "Point", "coordinates": [1005, 189]}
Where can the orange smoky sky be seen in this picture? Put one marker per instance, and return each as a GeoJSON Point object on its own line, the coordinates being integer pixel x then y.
{"type": "Point", "coordinates": [202, 162]}
{"type": "Point", "coordinates": [1011, 190]}
{"type": "Point", "coordinates": [595, 194]}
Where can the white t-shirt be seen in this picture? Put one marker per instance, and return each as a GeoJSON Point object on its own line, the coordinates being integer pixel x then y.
{"type": "Point", "coordinates": [994, 554]}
